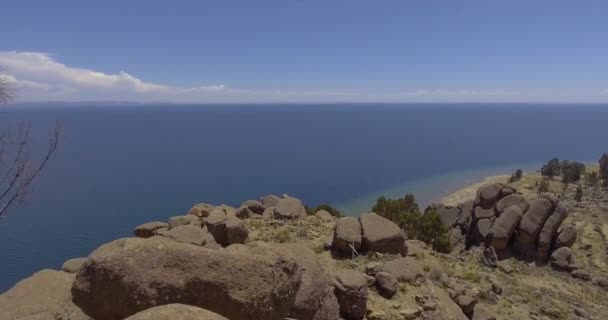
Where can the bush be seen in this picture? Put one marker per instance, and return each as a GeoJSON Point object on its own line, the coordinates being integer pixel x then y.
{"type": "Point", "coordinates": [426, 227]}
{"type": "Point", "coordinates": [592, 179]}
{"type": "Point", "coordinates": [333, 211]}
{"type": "Point", "coordinates": [516, 176]}
{"type": "Point", "coordinates": [551, 169]}
{"type": "Point", "coordinates": [579, 193]}
{"type": "Point", "coordinates": [543, 186]}
{"type": "Point", "coordinates": [571, 171]}
{"type": "Point", "coordinates": [604, 168]}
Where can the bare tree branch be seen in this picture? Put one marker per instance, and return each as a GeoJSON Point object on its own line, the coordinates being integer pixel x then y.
{"type": "Point", "coordinates": [18, 175]}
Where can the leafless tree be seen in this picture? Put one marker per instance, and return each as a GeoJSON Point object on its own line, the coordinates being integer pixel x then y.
{"type": "Point", "coordinates": [17, 169]}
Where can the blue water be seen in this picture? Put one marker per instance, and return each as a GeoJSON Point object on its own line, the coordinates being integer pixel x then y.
{"type": "Point", "coordinates": [120, 166]}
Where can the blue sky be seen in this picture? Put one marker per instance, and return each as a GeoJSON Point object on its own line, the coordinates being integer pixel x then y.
{"type": "Point", "coordinates": [234, 51]}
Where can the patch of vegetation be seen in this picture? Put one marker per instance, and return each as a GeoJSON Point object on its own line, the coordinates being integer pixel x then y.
{"type": "Point", "coordinates": [604, 168]}
{"type": "Point", "coordinates": [571, 171]}
{"type": "Point", "coordinates": [579, 193]}
{"type": "Point", "coordinates": [592, 178]}
{"type": "Point", "coordinates": [325, 206]}
{"type": "Point", "coordinates": [543, 186]}
{"type": "Point", "coordinates": [426, 227]}
{"type": "Point", "coordinates": [283, 236]}
{"type": "Point", "coordinates": [551, 169]}
{"type": "Point", "coordinates": [516, 176]}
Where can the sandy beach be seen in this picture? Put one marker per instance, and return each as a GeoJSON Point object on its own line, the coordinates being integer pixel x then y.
{"type": "Point", "coordinates": [469, 192]}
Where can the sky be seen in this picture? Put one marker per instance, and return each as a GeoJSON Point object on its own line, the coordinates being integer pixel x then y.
{"type": "Point", "coordinates": [306, 51]}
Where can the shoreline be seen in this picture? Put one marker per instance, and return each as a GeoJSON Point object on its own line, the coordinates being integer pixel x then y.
{"type": "Point", "coordinates": [469, 192]}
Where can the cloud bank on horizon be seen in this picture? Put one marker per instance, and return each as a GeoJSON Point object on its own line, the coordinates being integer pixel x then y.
{"type": "Point", "coordinates": [39, 76]}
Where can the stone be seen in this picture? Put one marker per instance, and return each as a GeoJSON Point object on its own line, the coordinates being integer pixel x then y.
{"type": "Point", "coordinates": [351, 293]}
{"type": "Point", "coordinates": [182, 220]}
{"type": "Point", "coordinates": [487, 195]}
{"type": "Point", "coordinates": [270, 201]}
{"type": "Point", "coordinates": [254, 205]}
{"type": "Point", "coordinates": [489, 257]}
{"type": "Point", "coordinates": [228, 210]}
{"type": "Point", "coordinates": [380, 234]}
{"type": "Point", "coordinates": [533, 221]}
{"type": "Point", "coordinates": [268, 213]}
{"type": "Point", "coordinates": [582, 313]}
{"type": "Point", "coordinates": [176, 311]}
{"type": "Point", "coordinates": [386, 284]}
{"type": "Point", "coordinates": [45, 296]}
{"type": "Point", "coordinates": [467, 304]}
{"type": "Point", "coordinates": [189, 234]}
{"type": "Point", "coordinates": [512, 200]}
{"type": "Point", "coordinates": [404, 269]}
{"type": "Point", "coordinates": [323, 215]}
{"type": "Point", "coordinates": [481, 213]}
{"type": "Point", "coordinates": [289, 208]}
{"type": "Point", "coordinates": [73, 265]}
{"type": "Point", "coordinates": [581, 274]}
{"type": "Point", "coordinates": [566, 237]}
{"type": "Point", "coordinates": [504, 226]}
{"type": "Point", "coordinates": [329, 309]}
{"type": "Point", "coordinates": [243, 213]}
{"type": "Point", "coordinates": [466, 216]}
{"type": "Point", "coordinates": [216, 225]}
{"type": "Point", "coordinates": [129, 275]}
{"type": "Point", "coordinates": [562, 259]}
{"type": "Point", "coordinates": [236, 231]}
{"type": "Point", "coordinates": [456, 236]}
{"type": "Point", "coordinates": [549, 230]}
{"type": "Point", "coordinates": [446, 307]}
{"type": "Point", "coordinates": [149, 229]}
{"type": "Point", "coordinates": [483, 229]}
{"type": "Point", "coordinates": [201, 210]}
{"type": "Point", "coordinates": [347, 232]}
{"type": "Point", "coordinates": [373, 267]}
{"type": "Point", "coordinates": [448, 214]}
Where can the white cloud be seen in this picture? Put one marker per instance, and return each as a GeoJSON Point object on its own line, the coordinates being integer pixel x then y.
{"type": "Point", "coordinates": [38, 76]}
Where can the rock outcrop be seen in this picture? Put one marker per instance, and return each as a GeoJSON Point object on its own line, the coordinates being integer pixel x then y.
{"type": "Point", "coordinates": [176, 311]}
{"type": "Point", "coordinates": [129, 275]}
{"type": "Point", "coordinates": [351, 293]}
{"type": "Point", "coordinates": [45, 295]}
{"type": "Point", "coordinates": [149, 229]}
{"type": "Point", "coordinates": [347, 232]}
{"type": "Point", "coordinates": [73, 265]}
{"type": "Point", "coordinates": [380, 234]}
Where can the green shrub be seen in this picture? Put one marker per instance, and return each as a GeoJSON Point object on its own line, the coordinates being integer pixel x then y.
{"type": "Point", "coordinates": [324, 206]}
{"type": "Point", "coordinates": [551, 169]}
{"type": "Point", "coordinates": [543, 186]}
{"type": "Point", "coordinates": [283, 236]}
{"type": "Point", "coordinates": [579, 193]}
{"type": "Point", "coordinates": [406, 214]}
{"type": "Point", "coordinates": [516, 176]}
{"type": "Point", "coordinates": [571, 171]}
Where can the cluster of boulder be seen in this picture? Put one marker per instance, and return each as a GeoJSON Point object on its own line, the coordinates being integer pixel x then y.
{"type": "Point", "coordinates": [369, 234]}
{"type": "Point", "coordinates": [509, 224]}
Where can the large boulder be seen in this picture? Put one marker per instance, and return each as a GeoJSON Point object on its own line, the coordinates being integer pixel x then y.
{"type": "Point", "coordinates": [289, 208]}
{"type": "Point", "coordinates": [347, 233]}
{"type": "Point", "coordinates": [386, 284]}
{"type": "Point", "coordinates": [481, 213]}
{"type": "Point", "coordinates": [189, 234]}
{"type": "Point", "coordinates": [381, 234]}
{"type": "Point", "coordinates": [45, 296]}
{"type": "Point", "coordinates": [176, 311]}
{"type": "Point", "coordinates": [549, 230]}
{"type": "Point", "coordinates": [129, 275]}
{"type": "Point", "coordinates": [482, 229]}
{"type": "Point", "coordinates": [562, 259]}
{"type": "Point", "coordinates": [404, 269]}
{"type": "Point", "coordinates": [182, 220]}
{"type": "Point", "coordinates": [466, 216]}
{"type": "Point", "coordinates": [226, 230]}
{"type": "Point", "coordinates": [566, 237]}
{"type": "Point", "coordinates": [324, 215]}
{"type": "Point", "coordinates": [504, 227]}
{"type": "Point", "coordinates": [201, 210]}
{"type": "Point", "coordinates": [512, 200]}
{"type": "Point", "coordinates": [244, 213]}
{"type": "Point", "coordinates": [329, 309]}
{"type": "Point", "coordinates": [488, 195]}
{"type": "Point", "coordinates": [254, 205]}
{"type": "Point", "coordinates": [149, 229]}
{"type": "Point", "coordinates": [448, 214]}
{"type": "Point", "coordinates": [533, 221]}
{"type": "Point", "coordinates": [270, 200]}
{"type": "Point", "coordinates": [351, 292]}
{"type": "Point", "coordinates": [73, 265]}
{"type": "Point", "coordinates": [446, 307]}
